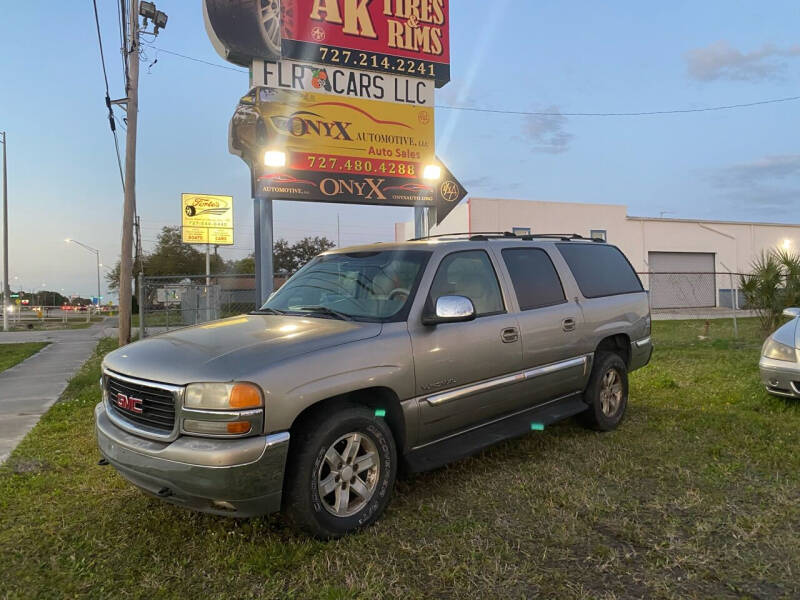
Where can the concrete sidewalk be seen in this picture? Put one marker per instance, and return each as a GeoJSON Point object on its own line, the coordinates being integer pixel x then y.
{"type": "Point", "coordinates": [29, 389]}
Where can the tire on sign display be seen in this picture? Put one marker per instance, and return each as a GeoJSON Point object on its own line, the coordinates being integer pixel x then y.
{"type": "Point", "coordinates": [243, 29]}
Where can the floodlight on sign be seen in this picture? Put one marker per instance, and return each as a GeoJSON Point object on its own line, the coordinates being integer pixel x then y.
{"type": "Point", "coordinates": [147, 10]}
{"type": "Point", "coordinates": [160, 20]}
{"type": "Point", "coordinates": [432, 172]}
{"type": "Point", "coordinates": [274, 158]}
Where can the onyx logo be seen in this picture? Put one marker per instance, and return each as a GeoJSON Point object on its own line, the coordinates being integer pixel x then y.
{"type": "Point", "coordinates": [368, 188]}
{"type": "Point", "coordinates": [303, 123]}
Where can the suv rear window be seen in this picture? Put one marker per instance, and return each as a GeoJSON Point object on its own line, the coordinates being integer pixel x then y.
{"type": "Point", "coordinates": [535, 279]}
{"type": "Point", "coordinates": [600, 270]}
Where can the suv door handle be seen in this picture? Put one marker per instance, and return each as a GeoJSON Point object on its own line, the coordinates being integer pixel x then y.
{"type": "Point", "coordinates": [509, 335]}
{"type": "Point", "coordinates": [568, 324]}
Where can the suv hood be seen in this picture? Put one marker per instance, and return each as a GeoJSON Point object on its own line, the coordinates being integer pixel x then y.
{"type": "Point", "coordinates": [233, 348]}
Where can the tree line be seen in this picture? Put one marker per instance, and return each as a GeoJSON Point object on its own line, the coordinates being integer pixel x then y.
{"type": "Point", "coordinates": [172, 257]}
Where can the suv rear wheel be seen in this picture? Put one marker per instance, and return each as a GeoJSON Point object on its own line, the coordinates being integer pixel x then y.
{"type": "Point", "coordinates": [342, 474]}
{"type": "Point", "coordinates": [607, 392]}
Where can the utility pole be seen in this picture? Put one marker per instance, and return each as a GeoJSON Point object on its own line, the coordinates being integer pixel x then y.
{"type": "Point", "coordinates": [137, 260]}
{"type": "Point", "coordinates": [6, 294]}
{"type": "Point", "coordinates": [129, 206]}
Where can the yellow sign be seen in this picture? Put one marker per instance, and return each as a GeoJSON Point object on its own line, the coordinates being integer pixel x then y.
{"type": "Point", "coordinates": [207, 219]}
{"type": "Point", "coordinates": [317, 124]}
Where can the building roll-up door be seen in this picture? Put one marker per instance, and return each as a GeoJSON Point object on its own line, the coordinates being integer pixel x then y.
{"type": "Point", "coordinates": [682, 280]}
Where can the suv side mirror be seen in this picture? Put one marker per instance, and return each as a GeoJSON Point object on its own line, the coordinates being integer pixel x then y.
{"type": "Point", "coordinates": [450, 309]}
{"type": "Point", "coordinates": [792, 313]}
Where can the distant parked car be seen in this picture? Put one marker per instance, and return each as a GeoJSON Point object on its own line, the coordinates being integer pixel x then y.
{"type": "Point", "coordinates": [779, 364]}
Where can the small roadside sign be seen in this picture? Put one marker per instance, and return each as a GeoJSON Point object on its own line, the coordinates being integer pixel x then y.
{"type": "Point", "coordinates": [207, 219]}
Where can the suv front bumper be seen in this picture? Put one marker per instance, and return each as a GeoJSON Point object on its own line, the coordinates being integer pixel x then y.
{"type": "Point", "coordinates": [238, 477]}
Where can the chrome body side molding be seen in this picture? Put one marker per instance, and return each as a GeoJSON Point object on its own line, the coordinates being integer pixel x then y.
{"type": "Point", "coordinates": [506, 380]}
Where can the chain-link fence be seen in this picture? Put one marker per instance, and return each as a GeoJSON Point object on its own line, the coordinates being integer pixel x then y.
{"type": "Point", "coordinates": [172, 302]}
{"type": "Point", "coordinates": [693, 293]}
{"type": "Point", "coordinates": [178, 301]}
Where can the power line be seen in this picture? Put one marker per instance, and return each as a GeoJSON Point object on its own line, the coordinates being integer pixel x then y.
{"type": "Point", "coordinates": [123, 38]}
{"type": "Point", "coordinates": [526, 113]}
{"type": "Point", "coordinates": [619, 114]}
{"type": "Point", "coordinates": [198, 60]}
{"type": "Point", "coordinates": [100, 41]}
{"type": "Point", "coordinates": [108, 97]}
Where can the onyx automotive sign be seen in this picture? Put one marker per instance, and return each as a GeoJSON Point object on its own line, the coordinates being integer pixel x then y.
{"type": "Point", "coordinates": [299, 183]}
{"type": "Point", "coordinates": [407, 38]}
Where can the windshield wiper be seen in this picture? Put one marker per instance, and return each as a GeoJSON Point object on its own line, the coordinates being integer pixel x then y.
{"type": "Point", "coordinates": [324, 310]}
{"type": "Point", "coordinates": [267, 311]}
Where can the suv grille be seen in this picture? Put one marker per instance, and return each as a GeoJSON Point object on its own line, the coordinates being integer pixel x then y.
{"type": "Point", "coordinates": [157, 405]}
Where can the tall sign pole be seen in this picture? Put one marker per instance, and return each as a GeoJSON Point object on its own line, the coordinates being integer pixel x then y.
{"type": "Point", "coordinates": [262, 213]}
{"type": "Point", "coordinates": [6, 295]}
{"type": "Point", "coordinates": [129, 206]}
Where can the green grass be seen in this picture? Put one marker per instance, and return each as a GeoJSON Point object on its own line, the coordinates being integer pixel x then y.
{"type": "Point", "coordinates": [696, 495]}
{"type": "Point", "coordinates": [12, 354]}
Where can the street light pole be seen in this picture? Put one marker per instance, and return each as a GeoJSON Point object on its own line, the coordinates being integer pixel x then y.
{"type": "Point", "coordinates": [6, 295]}
{"type": "Point", "coordinates": [97, 256]}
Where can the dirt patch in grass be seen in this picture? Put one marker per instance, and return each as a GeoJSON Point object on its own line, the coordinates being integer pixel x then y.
{"type": "Point", "coordinates": [696, 495]}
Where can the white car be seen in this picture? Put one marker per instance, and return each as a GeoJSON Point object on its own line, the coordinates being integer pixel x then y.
{"type": "Point", "coordinates": [780, 358]}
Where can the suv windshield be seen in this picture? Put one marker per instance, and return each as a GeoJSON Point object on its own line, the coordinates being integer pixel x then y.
{"type": "Point", "coordinates": [371, 286]}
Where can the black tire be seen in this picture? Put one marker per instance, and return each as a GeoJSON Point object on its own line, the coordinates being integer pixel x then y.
{"type": "Point", "coordinates": [303, 502]}
{"type": "Point", "coordinates": [239, 26]}
{"type": "Point", "coordinates": [605, 363]}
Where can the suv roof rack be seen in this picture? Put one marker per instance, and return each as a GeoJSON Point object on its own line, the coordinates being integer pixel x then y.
{"type": "Point", "coordinates": [482, 236]}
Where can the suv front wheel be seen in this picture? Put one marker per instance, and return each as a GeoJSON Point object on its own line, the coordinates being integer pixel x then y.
{"type": "Point", "coordinates": [341, 472]}
{"type": "Point", "coordinates": [607, 392]}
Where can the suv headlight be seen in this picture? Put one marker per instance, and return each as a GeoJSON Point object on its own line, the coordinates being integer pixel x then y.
{"type": "Point", "coordinates": [222, 409]}
{"type": "Point", "coordinates": [778, 351]}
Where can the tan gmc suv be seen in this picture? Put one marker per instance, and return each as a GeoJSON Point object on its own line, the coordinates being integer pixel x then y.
{"type": "Point", "coordinates": [372, 360]}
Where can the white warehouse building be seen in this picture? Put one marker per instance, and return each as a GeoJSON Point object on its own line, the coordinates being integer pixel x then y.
{"type": "Point", "coordinates": [685, 263]}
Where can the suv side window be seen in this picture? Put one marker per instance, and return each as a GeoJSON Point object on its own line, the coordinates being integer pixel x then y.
{"type": "Point", "coordinates": [469, 273]}
{"type": "Point", "coordinates": [600, 269]}
{"type": "Point", "coordinates": [536, 281]}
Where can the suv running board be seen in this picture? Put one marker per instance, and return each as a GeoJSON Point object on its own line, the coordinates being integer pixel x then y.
{"type": "Point", "coordinates": [460, 445]}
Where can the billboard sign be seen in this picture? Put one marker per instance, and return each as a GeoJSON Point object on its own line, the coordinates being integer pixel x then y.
{"type": "Point", "coordinates": [346, 188]}
{"type": "Point", "coordinates": [343, 136]}
{"type": "Point", "coordinates": [402, 37]}
{"type": "Point", "coordinates": [322, 186]}
{"type": "Point", "coordinates": [346, 83]}
{"type": "Point", "coordinates": [408, 38]}
{"type": "Point", "coordinates": [207, 219]}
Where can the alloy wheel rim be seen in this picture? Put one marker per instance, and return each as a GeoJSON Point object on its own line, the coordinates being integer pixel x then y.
{"type": "Point", "coordinates": [611, 393]}
{"type": "Point", "coordinates": [348, 475]}
{"type": "Point", "coordinates": [271, 22]}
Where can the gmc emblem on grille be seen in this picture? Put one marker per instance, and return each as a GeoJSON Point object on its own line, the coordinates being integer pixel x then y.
{"type": "Point", "coordinates": [129, 403]}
